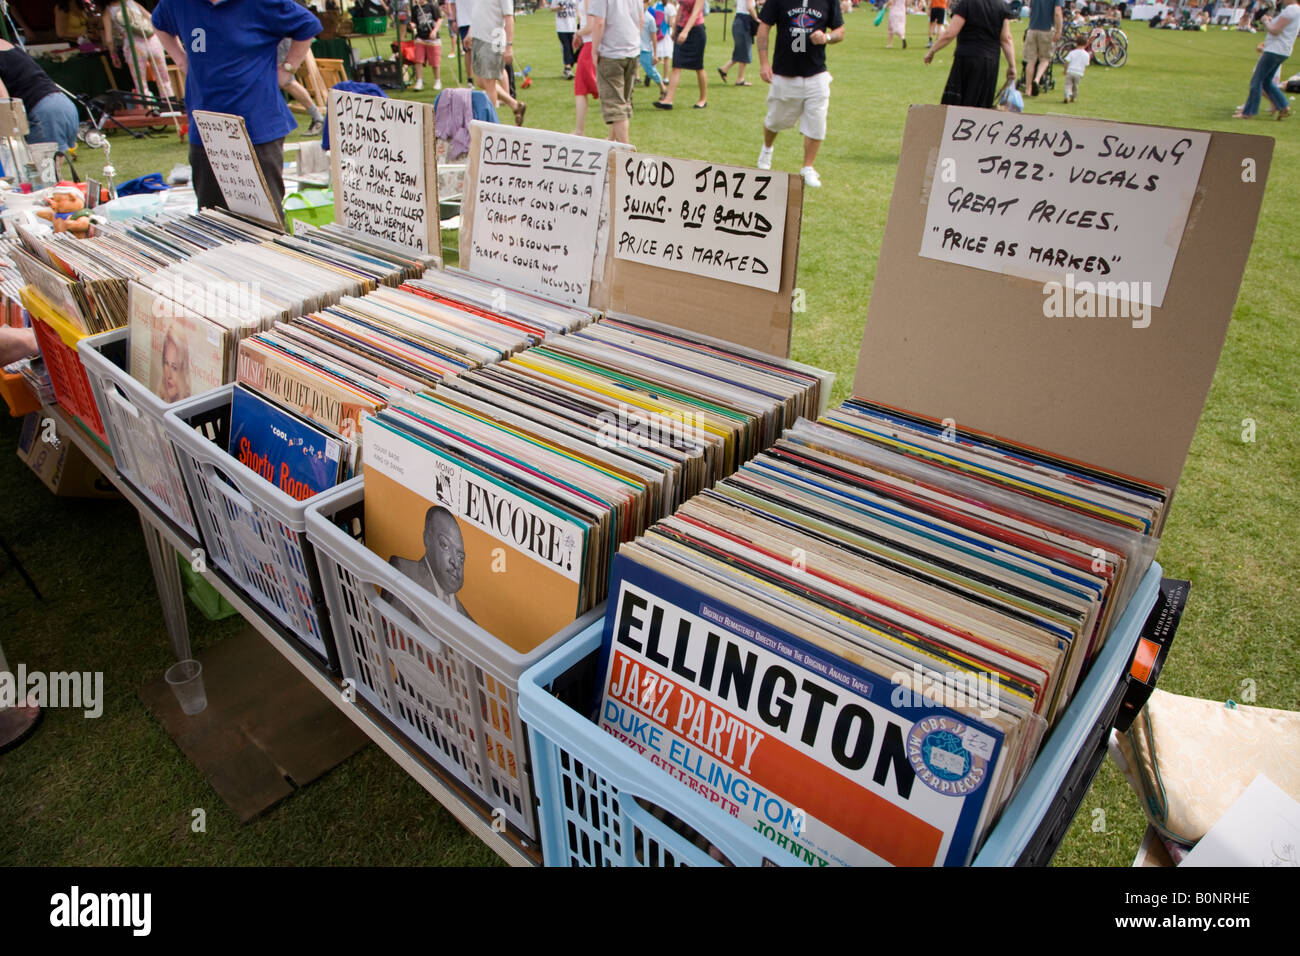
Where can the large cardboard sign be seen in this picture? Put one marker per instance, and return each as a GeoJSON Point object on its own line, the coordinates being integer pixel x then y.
{"type": "Point", "coordinates": [1050, 197]}
{"type": "Point", "coordinates": [537, 210]}
{"type": "Point", "coordinates": [723, 222]}
{"type": "Point", "coordinates": [1055, 364]}
{"type": "Point", "coordinates": [235, 167]}
{"type": "Point", "coordinates": [383, 162]}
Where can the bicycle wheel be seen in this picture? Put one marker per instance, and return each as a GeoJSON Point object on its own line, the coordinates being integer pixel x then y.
{"type": "Point", "coordinates": [1117, 49]}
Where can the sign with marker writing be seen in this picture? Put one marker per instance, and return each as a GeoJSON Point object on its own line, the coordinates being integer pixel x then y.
{"type": "Point", "coordinates": [537, 203]}
{"type": "Point", "coordinates": [383, 163]}
{"type": "Point", "coordinates": [722, 222]}
{"type": "Point", "coordinates": [235, 166]}
{"type": "Point", "coordinates": [1048, 197]}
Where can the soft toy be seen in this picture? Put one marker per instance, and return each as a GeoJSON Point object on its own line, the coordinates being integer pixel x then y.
{"type": "Point", "coordinates": [67, 210]}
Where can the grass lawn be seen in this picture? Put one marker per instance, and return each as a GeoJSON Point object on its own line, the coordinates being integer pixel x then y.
{"type": "Point", "coordinates": [116, 791]}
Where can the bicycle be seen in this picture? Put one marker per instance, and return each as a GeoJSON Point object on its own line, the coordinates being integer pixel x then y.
{"type": "Point", "coordinates": [1107, 43]}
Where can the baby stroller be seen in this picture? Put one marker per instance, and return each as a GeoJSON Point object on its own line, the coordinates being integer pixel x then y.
{"type": "Point", "coordinates": [1045, 85]}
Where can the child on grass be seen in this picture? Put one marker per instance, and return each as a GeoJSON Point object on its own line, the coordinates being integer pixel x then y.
{"type": "Point", "coordinates": [1076, 61]}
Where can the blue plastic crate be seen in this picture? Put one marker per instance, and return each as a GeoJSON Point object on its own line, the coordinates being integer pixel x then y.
{"type": "Point", "coordinates": [594, 791]}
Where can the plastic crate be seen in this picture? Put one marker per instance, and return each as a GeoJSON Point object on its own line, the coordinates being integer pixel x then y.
{"type": "Point", "coordinates": [18, 395]}
{"type": "Point", "coordinates": [252, 531]}
{"type": "Point", "coordinates": [312, 206]}
{"type": "Point", "coordinates": [369, 26]}
{"type": "Point", "coordinates": [447, 684]}
{"type": "Point", "coordinates": [58, 338]}
{"type": "Point", "coordinates": [137, 434]}
{"type": "Point", "coordinates": [593, 789]}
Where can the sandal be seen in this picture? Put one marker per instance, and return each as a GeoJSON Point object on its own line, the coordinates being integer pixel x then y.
{"type": "Point", "coordinates": [519, 113]}
{"type": "Point", "coordinates": [700, 106]}
{"type": "Point", "coordinates": [1283, 114]}
{"type": "Point", "coordinates": [744, 83]}
{"type": "Point", "coordinates": [722, 73]}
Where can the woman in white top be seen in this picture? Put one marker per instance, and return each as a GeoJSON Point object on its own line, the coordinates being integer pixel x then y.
{"type": "Point", "coordinates": [1273, 52]}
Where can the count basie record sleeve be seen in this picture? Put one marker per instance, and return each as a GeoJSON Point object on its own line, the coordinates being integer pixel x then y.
{"type": "Point", "coordinates": [801, 745]}
{"type": "Point", "coordinates": [436, 519]}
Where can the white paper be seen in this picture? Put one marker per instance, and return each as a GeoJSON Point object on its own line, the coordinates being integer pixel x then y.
{"type": "Point", "coordinates": [723, 222]}
{"type": "Point", "coordinates": [234, 166]}
{"type": "Point", "coordinates": [1262, 828]}
{"type": "Point", "coordinates": [537, 209]}
{"type": "Point", "coordinates": [382, 189]}
{"type": "Point", "coordinates": [1046, 197]}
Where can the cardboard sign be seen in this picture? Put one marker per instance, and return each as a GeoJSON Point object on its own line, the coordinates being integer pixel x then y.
{"type": "Point", "coordinates": [1058, 199]}
{"type": "Point", "coordinates": [385, 181]}
{"type": "Point", "coordinates": [724, 222]}
{"type": "Point", "coordinates": [1120, 391]}
{"type": "Point", "coordinates": [533, 203]}
{"type": "Point", "coordinates": [235, 167]}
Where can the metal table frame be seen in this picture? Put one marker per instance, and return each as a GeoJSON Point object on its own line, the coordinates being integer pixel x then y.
{"type": "Point", "coordinates": [162, 539]}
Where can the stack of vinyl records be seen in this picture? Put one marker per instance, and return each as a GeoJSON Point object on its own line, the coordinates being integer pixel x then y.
{"type": "Point", "coordinates": [307, 386]}
{"type": "Point", "coordinates": [506, 491]}
{"type": "Point", "coordinates": [856, 643]}
{"type": "Point", "coordinates": [11, 283]}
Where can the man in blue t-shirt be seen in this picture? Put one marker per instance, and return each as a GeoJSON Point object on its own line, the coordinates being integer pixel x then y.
{"type": "Point", "coordinates": [227, 49]}
{"type": "Point", "coordinates": [1044, 30]}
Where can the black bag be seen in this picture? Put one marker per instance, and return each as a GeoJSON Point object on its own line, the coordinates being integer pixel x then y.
{"type": "Point", "coordinates": [753, 26]}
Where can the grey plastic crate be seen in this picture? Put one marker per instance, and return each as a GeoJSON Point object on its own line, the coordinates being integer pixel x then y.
{"type": "Point", "coordinates": [133, 419]}
{"type": "Point", "coordinates": [448, 684]}
{"type": "Point", "coordinates": [253, 531]}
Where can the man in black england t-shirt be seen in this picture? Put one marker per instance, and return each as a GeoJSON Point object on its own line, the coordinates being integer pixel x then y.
{"type": "Point", "coordinates": [801, 87]}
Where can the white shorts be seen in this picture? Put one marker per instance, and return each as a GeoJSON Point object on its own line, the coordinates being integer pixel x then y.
{"type": "Point", "coordinates": [799, 99]}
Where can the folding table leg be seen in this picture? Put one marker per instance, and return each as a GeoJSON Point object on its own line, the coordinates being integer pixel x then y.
{"type": "Point", "coordinates": [167, 577]}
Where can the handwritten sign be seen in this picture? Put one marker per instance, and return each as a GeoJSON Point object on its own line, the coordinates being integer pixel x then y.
{"type": "Point", "coordinates": [537, 205]}
{"type": "Point", "coordinates": [1056, 199]}
{"type": "Point", "coordinates": [723, 222]}
{"type": "Point", "coordinates": [235, 166]}
{"type": "Point", "coordinates": [382, 155]}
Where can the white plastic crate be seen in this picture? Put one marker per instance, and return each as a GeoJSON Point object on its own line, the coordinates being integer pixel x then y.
{"type": "Point", "coordinates": [449, 685]}
{"type": "Point", "coordinates": [252, 530]}
{"type": "Point", "coordinates": [593, 791]}
{"type": "Point", "coordinates": [133, 419]}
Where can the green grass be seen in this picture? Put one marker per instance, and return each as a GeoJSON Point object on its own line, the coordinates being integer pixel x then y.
{"type": "Point", "coordinates": [116, 790]}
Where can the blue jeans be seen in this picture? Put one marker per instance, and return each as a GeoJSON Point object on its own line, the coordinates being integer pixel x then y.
{"type": "Point", "coordinates": [647, 59]}
{"type": "Point", "coordinates": [53, 120]}
{"type": "Point", "coordinates": [1262, 79]}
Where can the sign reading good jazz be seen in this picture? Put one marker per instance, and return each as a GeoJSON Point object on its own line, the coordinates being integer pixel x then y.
{"type": "Point", "coordinates": [383, 168]}
{"type": "Point", "coordinates": [1048, 198]}
{"type": "Point", "coordinates": [537, 210]}
{"type": "Point", "coordinates": [723, 222]}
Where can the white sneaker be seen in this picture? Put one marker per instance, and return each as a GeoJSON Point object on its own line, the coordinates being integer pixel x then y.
{"type": "Point", "coordinates": [437, 86]}
{"type": "Point", "coordinates": [810, 177]}
{"type": "Point", "coordinates": [765, 157]}
{"type": "Point", "coordinates": [419, 85]}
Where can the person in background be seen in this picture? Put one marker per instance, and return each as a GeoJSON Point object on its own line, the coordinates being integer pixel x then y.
{"type": "Point", "coordinates": [1076, 62]}
{"type": "Point", "coordinates": [897, 23]}
{"type": "Point", "coordinates": [566, 24]}
{"type": "Point", "coordinates": [69, 20]}
{"type": "Point", "coordinates": [1045, 23]}
{"type": "Point", "coordinates": [664, 48]}
{"type": "Point", "coordinates": [800, 85]}
{"type": "Point", "coordinates": [464, 11]}
{"type": "Point", "coordinates": [742, 39]}
{"type": "Point", "coordinates": [289, 84]}
{"type": "Point", "coordinates": [17, 344]}
{"type": "Point", "coordinates": [426, 21]}
{"type": "Point", "coordinates": [688, 53]}
{"type": "Point", "coordinates": [51, 115]}
{"type": "Point", "coordinates": [938, 13]}
{"type": "Point", "coordinates": [1273, 52]}
{"type": "Point", "coordinates": [230, 62]}
{"type": "Point", "coordinates": [615, 37]}
{"type": "Point", "coordinates": [649, 37]}
{"type": "Point", "coordinates": [491, 47]}
{"type": "Point", "coordinates": [584, 77]}
{"type": "Point", "coordinates": [981, 28]}
{"type": "Point", "coordinates": [143, 43]}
